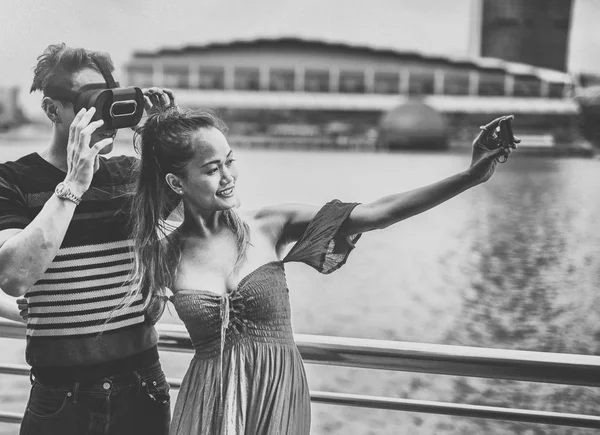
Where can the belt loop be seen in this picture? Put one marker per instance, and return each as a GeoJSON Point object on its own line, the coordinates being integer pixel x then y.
{"type": "Point", "coordinates": [75, 391]}
{"type": "Point", "coordinates": [138, 380]}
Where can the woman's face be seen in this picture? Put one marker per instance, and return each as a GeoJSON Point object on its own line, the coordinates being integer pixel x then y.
{"type": "Point", "coordinates": [209, 181]}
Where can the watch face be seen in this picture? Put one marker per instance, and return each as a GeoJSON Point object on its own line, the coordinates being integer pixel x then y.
{"type": "Point", "coordinates": [60, 189]}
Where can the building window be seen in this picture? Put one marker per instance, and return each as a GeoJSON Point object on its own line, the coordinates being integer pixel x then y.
{"type": "Point", "coordinates": [212, 78]}
{"type": "Point", "coordinates": [176, 76]}
{"type": "Point", "coordinates": [421, 83]}
{"type": "Point", "coordinates": [527, 87]}
{"type": "Point", "coordinates": [491, 84]}
{"type": "Point", "coordinates": [556, 90]}
{"type": "Point", "coordinates": [281, 80]}
{"type": "Point", "coordinates": [247, 79]}
{"type": "Point", "coordinates": [316, 81]}
{"type": "Point", "coordinates": [140, 75]}
{"type": "Point", "coordinates": [352, 82]}
{"type": "Point", "coordinates": [456, 83]}
{"type": "Point", "coordinates": [386, 83]}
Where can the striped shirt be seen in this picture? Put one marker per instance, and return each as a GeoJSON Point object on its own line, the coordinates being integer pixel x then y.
{"type": "Point", "coordinates": [72, 317]}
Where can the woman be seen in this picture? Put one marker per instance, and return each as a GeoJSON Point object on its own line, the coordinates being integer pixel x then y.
{"type": "Point", "coordinates": [225, 268]}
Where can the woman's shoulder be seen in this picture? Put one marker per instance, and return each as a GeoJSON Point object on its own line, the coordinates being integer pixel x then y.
{"type": "Point", "coordinates": [281, 223]}
{"type": "Point", "coordinates": [264, 219]}
{"type": "Point", "coordinates": [279, 215]}
{"type": "Point", "coordinates": [285, 212]}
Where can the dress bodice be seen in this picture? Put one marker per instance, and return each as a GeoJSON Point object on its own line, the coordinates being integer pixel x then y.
{"type": "Point", "coordinates": [258, 310]}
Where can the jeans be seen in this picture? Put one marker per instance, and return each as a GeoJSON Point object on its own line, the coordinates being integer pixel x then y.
{"type": "Point", "coordinates": [129, 404]}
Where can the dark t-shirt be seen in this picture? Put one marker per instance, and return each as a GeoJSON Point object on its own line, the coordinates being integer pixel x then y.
{"type": "Point", "coordinates": [75, 299]}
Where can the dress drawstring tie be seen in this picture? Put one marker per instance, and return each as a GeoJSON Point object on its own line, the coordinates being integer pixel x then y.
{"type": "Point", "coordinates": [224, 314]}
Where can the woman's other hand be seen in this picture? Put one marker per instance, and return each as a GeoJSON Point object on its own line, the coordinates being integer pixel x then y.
{"type": "Point", "coordinates": [23, 306]}
{"type": "Point", "coordinates": [493, 145]}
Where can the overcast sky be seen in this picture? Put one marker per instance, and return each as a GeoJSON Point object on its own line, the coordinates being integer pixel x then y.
{"type": "Point", "coordinates": [122, 26]}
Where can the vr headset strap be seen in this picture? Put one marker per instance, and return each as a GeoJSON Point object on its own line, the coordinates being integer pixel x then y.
{"type": "Point", "coordinates": [108, 78]}
{"type": "Point", "coordinates": [60, 93]}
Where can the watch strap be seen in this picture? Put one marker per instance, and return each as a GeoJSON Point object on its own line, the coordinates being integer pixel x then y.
{"type": "Point", "coordinates": [63, 190]}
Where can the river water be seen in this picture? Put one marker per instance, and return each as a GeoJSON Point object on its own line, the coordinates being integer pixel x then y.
{"type": "Point", "coordinates": [513, 264]}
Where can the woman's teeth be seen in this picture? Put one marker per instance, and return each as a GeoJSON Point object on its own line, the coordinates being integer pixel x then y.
{"type": "Point", "coordinates": [226, 192]}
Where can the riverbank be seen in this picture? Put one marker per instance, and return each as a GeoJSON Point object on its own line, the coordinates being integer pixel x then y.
{"type": "Point", "coordinates": [40, 134]}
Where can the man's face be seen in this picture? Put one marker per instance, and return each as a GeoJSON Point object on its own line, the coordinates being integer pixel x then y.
{"type": "Point", "coordinates": [85, 77]}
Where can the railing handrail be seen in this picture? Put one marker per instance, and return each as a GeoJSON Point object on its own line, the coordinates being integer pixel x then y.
{"type": "Point", "coordinates": [531, 366]}
{"type": "Point", "coordinates": [397, 404]}
{"type": "Point", "coordinates": [413, 357]}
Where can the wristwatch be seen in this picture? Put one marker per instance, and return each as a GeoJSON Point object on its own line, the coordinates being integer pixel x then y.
{"type": "Point", "coordinates": [63, 191]}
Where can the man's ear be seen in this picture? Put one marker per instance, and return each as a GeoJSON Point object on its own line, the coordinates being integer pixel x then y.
{"type": "Point", "coordinates": [174, 183]}
{"type": "Point", "coordinates": [52, 108]}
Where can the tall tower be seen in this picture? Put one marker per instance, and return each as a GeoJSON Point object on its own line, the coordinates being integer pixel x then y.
{"type": "Point", "coordinates": [535, 32]}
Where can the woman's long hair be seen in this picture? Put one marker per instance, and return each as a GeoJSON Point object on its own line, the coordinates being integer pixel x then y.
{"type": "Point", "coordinates": [165, 146]}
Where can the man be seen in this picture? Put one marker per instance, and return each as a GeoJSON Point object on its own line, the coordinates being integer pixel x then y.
{"type": "Point", "coordinates": [64, 245]}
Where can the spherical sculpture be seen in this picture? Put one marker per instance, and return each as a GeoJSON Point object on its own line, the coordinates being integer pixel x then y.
{"type": "Point", "coordinates": [413, 125]}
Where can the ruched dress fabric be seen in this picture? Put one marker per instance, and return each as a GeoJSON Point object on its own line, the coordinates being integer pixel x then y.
{"type": "Point", "coordinates": [247, 376]}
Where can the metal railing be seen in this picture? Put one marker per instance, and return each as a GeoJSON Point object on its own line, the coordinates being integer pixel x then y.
{"type": "Point", "coordinates": [529, 366]}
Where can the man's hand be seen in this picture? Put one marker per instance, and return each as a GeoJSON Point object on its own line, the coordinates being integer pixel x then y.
{"type": "Point", "coordinates": [81, 158]}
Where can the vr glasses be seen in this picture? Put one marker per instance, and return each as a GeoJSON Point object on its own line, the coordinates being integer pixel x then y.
{"type": "Point", "coordinates": [118, 107]}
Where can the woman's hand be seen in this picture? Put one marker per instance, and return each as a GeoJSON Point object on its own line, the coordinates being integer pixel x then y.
{"type": "Point", "coordinates": [23, 306]}
{"type": "Point", "coordinates": [493, 145]}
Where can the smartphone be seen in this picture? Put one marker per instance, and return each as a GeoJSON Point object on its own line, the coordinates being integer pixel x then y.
{"type": "Point", "coordinates": [503, 134]}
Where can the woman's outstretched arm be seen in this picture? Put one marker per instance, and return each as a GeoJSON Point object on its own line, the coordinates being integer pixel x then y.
{"type": "Point", "coordinates": [288, 222]}
{"type": "Point", "coordinates": [488, 149]}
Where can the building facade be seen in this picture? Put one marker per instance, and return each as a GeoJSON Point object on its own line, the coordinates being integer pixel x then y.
{"type": "Point", "coordinates": [303, 66]}
{"type": "Point", "coordinates": [528, 31]}
{"type": "Point", "coordinates": [290, 86]}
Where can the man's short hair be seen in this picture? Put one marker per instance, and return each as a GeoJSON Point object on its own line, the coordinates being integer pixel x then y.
{"type": "Point", "coordinates": [58, 63]}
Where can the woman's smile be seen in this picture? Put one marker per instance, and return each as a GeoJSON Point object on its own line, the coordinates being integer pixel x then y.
{"type": "Point", "coordinates": [226, 193]}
